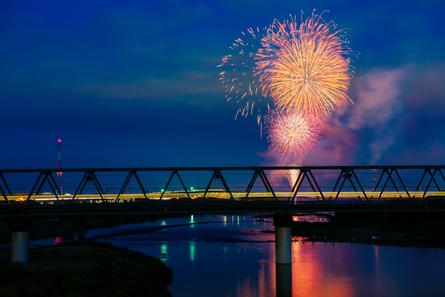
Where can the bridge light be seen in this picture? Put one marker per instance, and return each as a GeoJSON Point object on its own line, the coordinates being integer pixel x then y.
{"type": "Point", "coordinates": [192, 189]}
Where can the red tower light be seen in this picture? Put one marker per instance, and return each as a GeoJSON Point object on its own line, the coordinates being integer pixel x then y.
{"type": "Point", "coordinates": [59, 164]}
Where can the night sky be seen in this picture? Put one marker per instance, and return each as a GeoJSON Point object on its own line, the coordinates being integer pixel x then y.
{"type": "Point", "coordinates": [135, 83]}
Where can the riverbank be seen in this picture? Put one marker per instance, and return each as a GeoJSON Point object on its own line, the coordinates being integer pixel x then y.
{"type": "Point", "coordinates": [397, 229]}
{"type": "Point", "coordinates": [84, 269]}
{"type": "Point", "coordinates": [68, 229]}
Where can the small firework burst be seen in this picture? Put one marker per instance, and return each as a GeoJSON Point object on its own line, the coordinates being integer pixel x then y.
{"type": "Point", "coordinates": [292, 135]}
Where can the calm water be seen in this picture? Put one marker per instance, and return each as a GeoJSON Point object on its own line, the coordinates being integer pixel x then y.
{"type": "Point", "coordinates": [231, 256]}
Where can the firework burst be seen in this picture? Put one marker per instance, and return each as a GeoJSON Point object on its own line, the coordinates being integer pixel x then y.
{"type": "Point", "coordinates": [293, 75]}
{"type": "Point", "coordinates": [303, 67]}
{"type": "Point", "coordinates": [292, 135]}
{"type": "Point", "coordinates": [237, 75]}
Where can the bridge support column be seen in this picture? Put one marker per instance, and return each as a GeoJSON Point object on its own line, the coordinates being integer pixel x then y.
{"type": "Point", "coordinates": [283, 254]}
{"type": "Point", "coordinates": [20, 240]}
{"type": "Point", "coordinates": [283, 238]}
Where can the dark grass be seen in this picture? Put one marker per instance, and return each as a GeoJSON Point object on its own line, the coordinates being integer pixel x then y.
{"type": "Point", "coordinates": [84, 269]}
{"type": "Point", "coordinates": [397, 229]}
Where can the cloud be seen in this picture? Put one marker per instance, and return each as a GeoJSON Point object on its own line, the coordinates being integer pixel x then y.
{"type": "Point", "coordinates": [185, 84]}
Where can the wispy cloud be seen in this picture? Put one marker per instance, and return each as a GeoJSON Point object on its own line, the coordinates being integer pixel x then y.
{"type": "Point", "coordinates": [377, 103]}
{"type": "Point", "coordinates": [185, 84]}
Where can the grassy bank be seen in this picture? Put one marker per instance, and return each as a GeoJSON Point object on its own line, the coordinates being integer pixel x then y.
{"type": "Point", "coordinates": [84, 269]}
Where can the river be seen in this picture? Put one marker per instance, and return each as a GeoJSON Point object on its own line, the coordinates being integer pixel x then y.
{"type": "Point", "coordinates": [231, 256]}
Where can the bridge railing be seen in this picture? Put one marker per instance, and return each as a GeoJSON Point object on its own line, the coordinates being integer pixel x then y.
{"type": "Point", "coordinates": [292, 184]}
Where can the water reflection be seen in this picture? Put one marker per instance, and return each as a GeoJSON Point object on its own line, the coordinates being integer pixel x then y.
{"type": "Point", "coordinates": [231, 256]}
{"type": "Point", "coordinates": [283, 280]}
{"type": "Point", "coordinates": [320, 270]}
{"type": "Point", "coordinates": [164, 251]}
{"type": "Point", "coordinates": [192, 221]}
{"type": "Point", "coordinates": [192, 247]}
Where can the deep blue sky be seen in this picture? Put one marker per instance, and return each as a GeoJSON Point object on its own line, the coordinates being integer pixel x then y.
{"type": "Point", "coordinates": [135, 83]}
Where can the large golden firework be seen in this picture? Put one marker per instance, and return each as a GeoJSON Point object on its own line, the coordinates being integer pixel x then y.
{"type": "Point", "coordinates": [303, 67]}
{"type": "Point", "coordinates": [295, 72]}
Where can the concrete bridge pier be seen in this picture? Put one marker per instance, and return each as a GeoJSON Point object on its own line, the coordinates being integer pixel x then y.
{"type": "Point", "coordinates": [283, 254]}
{"type": "Point", "coordinates": [283, 238]}
{"type": "Point", "coordinates": [20, 240]}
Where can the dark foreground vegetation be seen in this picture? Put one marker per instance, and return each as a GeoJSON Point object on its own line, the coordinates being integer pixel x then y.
{"type": "Point", "coordinates": [422, 229]}
{"type": "Point", "coordinates": [84, 269]}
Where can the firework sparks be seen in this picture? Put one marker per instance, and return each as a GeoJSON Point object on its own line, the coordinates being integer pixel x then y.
{"type": "Point", "coordinates": [293, 75]}
{"type": "Point", "coordinates": [291, 135]}
{"type": "Point", "coordinates": [303, 67]}
{"type": "Point", "coordinates": [237, 75]}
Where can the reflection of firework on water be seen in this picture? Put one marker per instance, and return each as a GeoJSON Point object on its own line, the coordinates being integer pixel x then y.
{"type": "Point", "coordinates": [237, 75]}
{"type": "Point", "coordinates": [291, 135]}
{"type": "Point", "coordinates": [302, 66]}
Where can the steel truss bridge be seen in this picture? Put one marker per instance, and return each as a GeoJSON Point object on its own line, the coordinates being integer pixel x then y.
{"type": "Point", "coordinates": [284, 184]}
{"type": "Point", "coordinates": [33, 194]}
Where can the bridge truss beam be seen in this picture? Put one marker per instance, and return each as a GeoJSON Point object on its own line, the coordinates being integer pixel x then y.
{"type": "Point", "coordinates": [294, 184]}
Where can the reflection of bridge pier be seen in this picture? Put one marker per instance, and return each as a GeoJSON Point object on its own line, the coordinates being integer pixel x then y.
{"type": "Point", "coordinates": [283, 277]}
{"type": "Point", "coordinates": [283, 254]}
{"type": "Point", "coordinates": [20, 240]}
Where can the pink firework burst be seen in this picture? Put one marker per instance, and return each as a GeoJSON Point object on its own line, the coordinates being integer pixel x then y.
{"type": "Point", "coordinates": [292, 135]}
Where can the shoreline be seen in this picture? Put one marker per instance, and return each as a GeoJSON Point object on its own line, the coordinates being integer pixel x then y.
{"type": "Point", "coordinates": [388, 229]}
{"type": "Point", "coordinates": [85, 269]}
